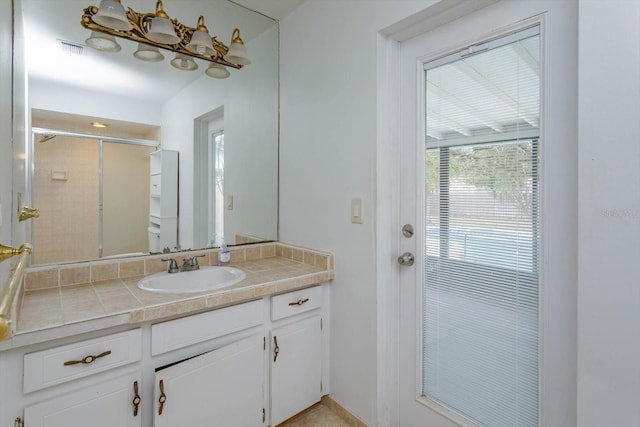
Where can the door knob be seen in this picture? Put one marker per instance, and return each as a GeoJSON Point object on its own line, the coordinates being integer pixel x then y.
{"type": "Point", "coordinates": [406, 259]}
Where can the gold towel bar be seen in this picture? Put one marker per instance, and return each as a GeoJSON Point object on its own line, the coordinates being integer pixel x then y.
{"type": "Point", "coordinates": [9, 290]}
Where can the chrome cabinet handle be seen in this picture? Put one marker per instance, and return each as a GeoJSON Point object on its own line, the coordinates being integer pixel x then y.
{"type": "Point", "coordinates": [299, 302]}
{"type": "Point", "coordinates": [406, 259]}
{"type": "Point", "coordinates": [136, 399]}
{"type": "Point", "coordinates": [88, 359]}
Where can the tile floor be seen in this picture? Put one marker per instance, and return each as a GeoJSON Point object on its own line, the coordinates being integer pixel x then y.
{"type": "Point", "coordinates": [318, 415]}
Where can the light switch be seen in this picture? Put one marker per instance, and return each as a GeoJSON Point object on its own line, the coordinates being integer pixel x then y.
{"type": "Point", "coordinates": [230, 202]}
{"type": "Point", "coordinates": [356, 210]}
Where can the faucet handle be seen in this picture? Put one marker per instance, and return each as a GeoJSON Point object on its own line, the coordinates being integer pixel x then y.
{"type": "Point", "coordinates": [192, 261]}
{"type": "Point", "coordinates": [173, 264]}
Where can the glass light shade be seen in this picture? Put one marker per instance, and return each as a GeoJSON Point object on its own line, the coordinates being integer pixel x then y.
{"type": "Point", "coordinates": [237, 54]}
{"type": "Point", "coordinates": [148, 53]}
{"type": "Point", "coordinates": [111, 15]}
{"type": "Point", "coordinates": [201, 44]}
{"type": "Point", "coordinates": [184, 62]}
{"type": "Point", "coordinates": [161, 31]}
{"type": "Point", "coordinates": [103, 42]}
{"type": "Point", "coordinates": [217, 71]}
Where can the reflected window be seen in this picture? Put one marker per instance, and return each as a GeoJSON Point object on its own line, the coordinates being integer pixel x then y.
{"type": "Point", "coordinates": [216, 224]}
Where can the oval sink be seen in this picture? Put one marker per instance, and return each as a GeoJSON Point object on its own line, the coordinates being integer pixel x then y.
{"type": "Point", "coordinates": [204, 279]}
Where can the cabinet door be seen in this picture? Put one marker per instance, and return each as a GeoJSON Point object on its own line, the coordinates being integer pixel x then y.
{"type": "Point", "coordinates": [296, 368]}
{"type": "Point", "coordinates": [223, 387]}
{"type": "Point", "coordinates": [107, 404]}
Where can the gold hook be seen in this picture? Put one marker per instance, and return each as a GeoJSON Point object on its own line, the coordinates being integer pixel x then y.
{"type": "Point", "coordinates": [28, 212]}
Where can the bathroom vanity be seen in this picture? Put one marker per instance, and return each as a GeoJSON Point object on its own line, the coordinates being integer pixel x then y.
{"type": "Point", "coordinates": [253, 355]}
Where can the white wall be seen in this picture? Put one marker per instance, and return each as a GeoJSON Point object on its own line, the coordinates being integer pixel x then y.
{"type": "Point", "coordinates": [328, 149]}
{"type": "Point", "coordinates": [327, 156]}
{"type": "Point", "coordinates": [609, 219]}
{"type": "Point", "coordinates": [250, 98]}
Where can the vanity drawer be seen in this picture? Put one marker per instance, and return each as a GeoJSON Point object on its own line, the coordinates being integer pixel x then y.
{"type": "Point", "coordinates": [292, 303]}
{"type": "Point", "coordinates": [69, 362]}
{"type": "Point", "coordinates": [198, 328]}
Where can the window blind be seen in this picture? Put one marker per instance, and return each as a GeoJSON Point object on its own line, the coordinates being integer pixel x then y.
{"type": "Point", "coordinates": [482, 243]}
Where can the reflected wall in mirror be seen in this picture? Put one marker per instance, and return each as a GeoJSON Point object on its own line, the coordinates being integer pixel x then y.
{"type": "Point", "coordinates": [225, 131]}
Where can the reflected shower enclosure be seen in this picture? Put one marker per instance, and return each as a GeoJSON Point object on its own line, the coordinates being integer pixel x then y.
{"type": "Point", "coordinates": [91, 192]}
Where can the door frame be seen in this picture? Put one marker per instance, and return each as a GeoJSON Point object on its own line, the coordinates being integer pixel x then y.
{"type": "Point", "coordinates": [558, 295]}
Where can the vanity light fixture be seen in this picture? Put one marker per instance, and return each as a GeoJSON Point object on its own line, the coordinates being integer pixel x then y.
{"type": "Point", "coordinates": [99, 125]}
{"type": "Point", "coordinates": [156, 30]}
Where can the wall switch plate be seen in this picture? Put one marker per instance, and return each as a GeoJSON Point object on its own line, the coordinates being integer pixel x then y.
{"type": "Point", "coordinates": [230, 202]}
{"type": "Point", "coordinates": [356, 210]}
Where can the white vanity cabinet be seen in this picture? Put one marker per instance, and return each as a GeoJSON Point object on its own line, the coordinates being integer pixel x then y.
{"type": "Point", "coordinates": [102, 400]}
{"type": "Point", "coordinates": [256, 363]}
{"type": "Point", "coordinates": [270, 375]}
{"type": "Point", "coordinates": [296, 368]}
{"type": "Point", "coordinates": [223, 387]}
{"type": "Point", "coordinates": [296, 353]}
{"type": "Point", "coordinates": [106, 404]}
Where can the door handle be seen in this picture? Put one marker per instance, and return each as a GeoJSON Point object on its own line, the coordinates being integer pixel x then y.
{"type": "Point", "coordinates": [406, 259]}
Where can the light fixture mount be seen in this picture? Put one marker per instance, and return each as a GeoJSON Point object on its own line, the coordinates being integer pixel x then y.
{"type": "Point", "coordinates": [140, 23]}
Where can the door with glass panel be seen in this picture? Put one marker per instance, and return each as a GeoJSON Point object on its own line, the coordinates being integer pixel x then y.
{"type": "Point", "coordinates": [469, 304]}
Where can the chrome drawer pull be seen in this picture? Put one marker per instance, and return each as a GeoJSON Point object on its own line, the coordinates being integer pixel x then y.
{"type": "Point", "coordinates": [88, 359]}
{"type": "Point", "coordinates": [299, 302]}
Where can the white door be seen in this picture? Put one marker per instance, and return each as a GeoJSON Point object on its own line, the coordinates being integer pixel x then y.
{"type": "Point", "coordinates": [110, 403]}
{"type": "Point", "coordinates": [223, 387]}
{"type": "Point", "coordinates": [469, 130]}
{"type": "Point", "coordinates": [296, 368]}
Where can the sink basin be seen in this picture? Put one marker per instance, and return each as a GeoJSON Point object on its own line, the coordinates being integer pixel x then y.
{"type": "Point", "coordinates": [204, 279]}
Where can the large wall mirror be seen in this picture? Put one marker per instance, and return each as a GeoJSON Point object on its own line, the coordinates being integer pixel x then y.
{"type": "Point", "coordinates": [173, 136]}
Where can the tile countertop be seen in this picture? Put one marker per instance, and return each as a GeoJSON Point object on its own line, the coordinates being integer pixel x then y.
{"type": "Point", "coordinates": [68, 300]}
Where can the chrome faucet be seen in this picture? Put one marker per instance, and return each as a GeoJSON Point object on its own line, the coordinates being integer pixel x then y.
{"type": "Point", "coordinates": [191, 263]}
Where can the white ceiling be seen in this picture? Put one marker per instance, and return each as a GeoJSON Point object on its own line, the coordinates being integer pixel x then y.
{"type": "Point", "coordinates": [276, 9]}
